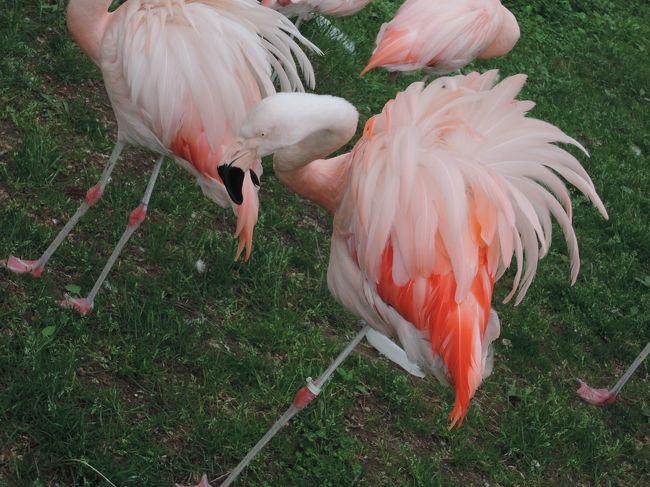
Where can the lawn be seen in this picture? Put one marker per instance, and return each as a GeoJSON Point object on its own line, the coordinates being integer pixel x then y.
{"type": "Point", "coordinates": [178, 372]}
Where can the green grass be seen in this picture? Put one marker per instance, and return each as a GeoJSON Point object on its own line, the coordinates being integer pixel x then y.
{"type": "Point", "coordinates": [176, 372]}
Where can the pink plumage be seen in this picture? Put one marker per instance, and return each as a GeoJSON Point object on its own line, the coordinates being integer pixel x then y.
{"type": "Point", "coordinates": [448, 183]}
{"type": "Point", "coordinates": [181, 76]}
{"type": "Point", "coordinates": [443, 35]}
{"type": "Point", "coordinates": [459, 166]}
{"type": "Point", "coordinates": [175, 86]}
{"type": "Point", "coordinates": [306, 8]}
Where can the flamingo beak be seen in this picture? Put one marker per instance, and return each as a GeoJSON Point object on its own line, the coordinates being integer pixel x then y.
{"type": "Point", "coordinates": [232, 172]}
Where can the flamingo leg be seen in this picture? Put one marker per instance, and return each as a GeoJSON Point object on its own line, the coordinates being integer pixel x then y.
{"type": "Point", "coordinates": [303, 397]}
{"type": "Point", "coordinates": [631, 369]}
{"type": "Point", "coordinates": [599, 397]}
{"type": "Point", "coordinates": [35, 267]}
{"type": "Point", "coordinates": [137, 216]}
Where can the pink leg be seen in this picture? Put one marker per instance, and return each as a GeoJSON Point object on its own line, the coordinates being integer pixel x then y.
{"type": "Point", "coordinates": [303, 397]}
{"type": "Point", "coordinates": [85, 305]}
{"type": "Point", "coordinates": [599, 397]}
{"type": "Point", "coordinates": [35, 267]}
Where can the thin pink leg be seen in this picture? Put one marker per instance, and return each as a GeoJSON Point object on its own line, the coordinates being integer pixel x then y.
{"type": "Point", "coordinates": [35, 267]}
{"type": "Point", "coordinates": [85, 305]}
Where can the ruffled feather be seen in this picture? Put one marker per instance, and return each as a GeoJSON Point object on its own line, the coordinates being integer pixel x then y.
{"type": "Point", "coordinates": [468, 182]}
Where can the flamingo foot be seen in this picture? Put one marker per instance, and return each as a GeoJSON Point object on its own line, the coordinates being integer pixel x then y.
{"type": "Point", "coordinates": [597, 397]}
{"type": "Point", "coordinates": [82, 305]}
{"type": "Point", "coordinates": [204, 482]}
{"type": "Point", "coordinates": [20, 266]}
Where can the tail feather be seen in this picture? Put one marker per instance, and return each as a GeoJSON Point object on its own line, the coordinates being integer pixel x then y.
{"type": "Point", "coordinates": [390, 50]}
{"type": "Point", "coordinates": [459, 332]}
{"type": "Point", "coordinates": [461, 352]}
{"type": "Point", "coordinates": [471, 185]}
{"type": "Point", "coordinates": [461, 340]}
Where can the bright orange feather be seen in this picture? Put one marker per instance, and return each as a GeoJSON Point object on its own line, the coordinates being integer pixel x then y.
{"type": "Point", "coordinates": [195, 149]}
{"type": "Point", "coordinates": [450, 326]}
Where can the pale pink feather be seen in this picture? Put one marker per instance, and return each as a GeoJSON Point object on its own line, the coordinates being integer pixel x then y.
{"type": "Point", "coordinates": [307, 8]}
{"type": "Point", "coordinates": [443, 35]}
{"type": "Point", "coordinates": [447, 184]}
{"type": "Point", "coordinates": [432, 147]}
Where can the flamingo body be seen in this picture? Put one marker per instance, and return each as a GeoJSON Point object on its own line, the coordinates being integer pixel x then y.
{"type": "Point", "coordinates": [177, 88]}
{"type": "Point", "coordinates": [459, 167]}
{"type": "Point", "coordinates": [448, 183]}
{"type": "Point", "coordinates": [443, 35]}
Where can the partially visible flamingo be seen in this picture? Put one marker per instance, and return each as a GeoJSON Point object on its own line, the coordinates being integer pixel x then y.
{"type": "Point", "coordinates": [442, 36]}
{"type": "Point", "coordinates": [600, 397]}
{"type": "Point", "coordinates": [304, 9]}
{"type": "Point", "coordinates": [446, 184]}
{"type": "Point", "coordinates": [203, 482]}
{"type": "Point", "coordinates": [181, 76]}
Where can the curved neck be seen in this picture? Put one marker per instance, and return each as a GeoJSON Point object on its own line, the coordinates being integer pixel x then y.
{"type": "Point", "coordinates": [301, 169]}
{"type": "Point", "coordinates": [87, 21]}
{"type": "Point", "coordinates": [320, 181]}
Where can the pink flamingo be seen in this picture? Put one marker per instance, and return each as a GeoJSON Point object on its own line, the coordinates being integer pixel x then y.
{"type": "Point", "coordinates": [446, 184]}
{"type": "Point", "coordinates": [600, 397]}
{"type": "Point", "coordinates": [178, 89]}
{"type": "Point", "coordinates": [306, 8]}
{"type": "Point", "coordinates": [443, 35]}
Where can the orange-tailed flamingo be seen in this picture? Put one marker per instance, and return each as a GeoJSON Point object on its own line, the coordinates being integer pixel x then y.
{"type": "Point", "coordinates": [446, 184]}
{"type": "Point", "coordinates": [442, 36]}
{"type": "Point", "coordinates": [181, 75]}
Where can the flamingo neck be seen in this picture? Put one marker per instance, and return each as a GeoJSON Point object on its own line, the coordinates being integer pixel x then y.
{"type": "Point", "coordinates": [320, 181]}
{"type": "Point", "coordinates": [87, 20]}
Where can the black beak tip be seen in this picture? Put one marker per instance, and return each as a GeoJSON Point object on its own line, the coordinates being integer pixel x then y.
{"type": "Point", "coordinates": [233, 180]}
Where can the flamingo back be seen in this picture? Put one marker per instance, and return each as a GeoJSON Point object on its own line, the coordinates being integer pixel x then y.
{"type": "Point", "coordinates": [442, 35]}
{"type": "Point", "coordinates": [466, 181]}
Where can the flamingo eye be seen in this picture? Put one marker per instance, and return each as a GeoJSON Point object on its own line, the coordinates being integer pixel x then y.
{"type": "Point", "coordinates": [262, 134]}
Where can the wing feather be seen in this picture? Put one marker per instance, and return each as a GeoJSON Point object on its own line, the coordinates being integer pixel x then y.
{"type": "Point", "coordinates": [447, 185]}
{"type": "Point", "coordinates": [177, 87]}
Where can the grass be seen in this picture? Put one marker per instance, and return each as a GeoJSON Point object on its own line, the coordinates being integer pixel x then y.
{"type": "Point", "coordinates": [176, 372]}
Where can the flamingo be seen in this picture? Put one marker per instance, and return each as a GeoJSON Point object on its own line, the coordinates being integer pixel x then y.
{"type": "Point", "coordinates": [304, 9]}
{"type": "Point", "coordinates": [446, 184]}
{"type": "Point", "coordinates": [442, 36]}
{"type": "Point", "coordinates": [178, 89]}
